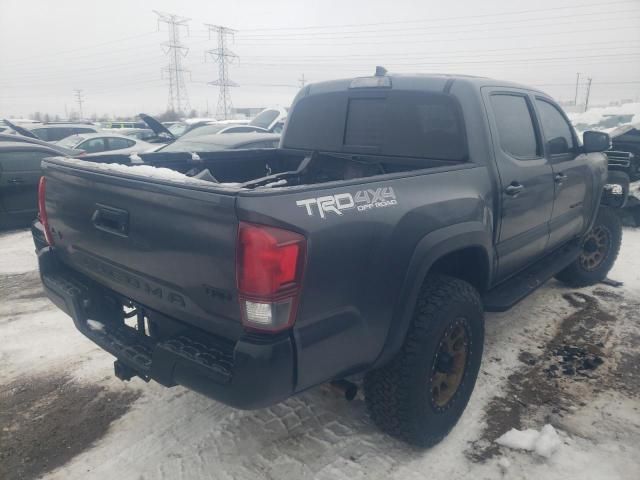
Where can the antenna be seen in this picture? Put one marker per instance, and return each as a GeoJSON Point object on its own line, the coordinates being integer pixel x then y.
{"type": "Point", "coordinates": [223, 57]}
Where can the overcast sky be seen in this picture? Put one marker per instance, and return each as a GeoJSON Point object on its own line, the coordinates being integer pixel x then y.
{"type": "Point", "coordinates": [112, 49]}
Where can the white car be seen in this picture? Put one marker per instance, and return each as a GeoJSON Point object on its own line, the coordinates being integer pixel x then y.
{"type": "Point", "coordinates": [105, 142]}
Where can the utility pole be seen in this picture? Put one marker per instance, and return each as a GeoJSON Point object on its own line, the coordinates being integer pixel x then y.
{"type": "Point", "coordinates": [575, 101]}
{"type": "Point", "coordinates": [302, 81]}
{"type": "Point", "coordinates": [178, 100]}
{"type": "Point", "coordinates": [79, 100]}
{"type": "Point", "coordinates": [223, 56]}
{"type": "Point", "coordinates": [586, 102]}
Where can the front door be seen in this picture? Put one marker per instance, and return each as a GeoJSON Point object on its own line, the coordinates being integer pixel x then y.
{"type": "Point", "coordinates": [570, 171]}
{"type": "Point", "coordinates": [526, 180]}
{"type": "Point", "coordinates": [19, 175]}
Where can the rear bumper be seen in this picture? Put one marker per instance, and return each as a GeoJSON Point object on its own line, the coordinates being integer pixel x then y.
{"type": "Point", "coordinates": [37, 233]}
{"type": "Point", "coordinates": [252, 373]}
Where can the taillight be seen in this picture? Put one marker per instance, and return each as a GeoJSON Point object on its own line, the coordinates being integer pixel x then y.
{"type": "Point", "coordinates": [269, 269]}
{"type": "Point", "coordinates": [42, 210]}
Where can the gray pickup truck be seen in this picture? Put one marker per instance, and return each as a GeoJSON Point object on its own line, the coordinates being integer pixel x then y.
{"type": "Point", "coordinates": [396, 211]}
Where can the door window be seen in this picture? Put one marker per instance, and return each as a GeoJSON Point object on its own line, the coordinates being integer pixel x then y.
{"type": "Point", "coordinates": [120, 143]}
{"type": "Point", "coordinates": [22, 161]}
{"type": "Point", "coordinates": [557, 132]}
{"type": "Point", "coordinates": [515, 126]}
{"type": "Point", "coordinates": [93, 145]}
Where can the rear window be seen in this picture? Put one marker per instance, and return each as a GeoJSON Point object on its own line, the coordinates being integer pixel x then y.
{"type": "Point", "coordinates": [409, 124]}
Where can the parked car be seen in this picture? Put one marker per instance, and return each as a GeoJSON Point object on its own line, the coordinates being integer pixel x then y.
{"type": "Point", "coordinates": [52, 132]}
{"type": "Point", "coordinates": [205, 143]}
{"type": "Point", "coordinates": [396, 211]}
{"type": "Point", "coordinates": [145, 134]}
{"type": "Point", "coordinates": [20, 171]}
{"type": "Point", "coordinates": [120, 125]}
{"type": "Point", "coordinates": [270, 120]}
{"type": "Point", "coordinates": [105, 142]}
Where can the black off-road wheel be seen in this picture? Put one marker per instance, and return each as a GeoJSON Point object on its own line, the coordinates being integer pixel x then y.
{"type": "Point", "coordinates": [600, 247]}
{"type": "Point", "coordinates": [421, 393]}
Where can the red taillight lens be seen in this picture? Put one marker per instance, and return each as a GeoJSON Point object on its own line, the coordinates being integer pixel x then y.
{"type": "Point", "coordinates": [42, 188]}
{"type": "Point", "coordinates": [270, 264]}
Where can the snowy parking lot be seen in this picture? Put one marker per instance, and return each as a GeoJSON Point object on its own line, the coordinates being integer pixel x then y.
{"type": "Point", "coordinates": [563, 357]}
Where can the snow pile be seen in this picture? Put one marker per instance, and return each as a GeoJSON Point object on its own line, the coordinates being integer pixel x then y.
{"type": "Point", "coordinates": [146, 171]}
{"type": "Point", "coordinates": [95, 325]}
{"type": "Point", "coordinates": [606, 117]}
{"type": "Point", "coordinates": [544, 442]}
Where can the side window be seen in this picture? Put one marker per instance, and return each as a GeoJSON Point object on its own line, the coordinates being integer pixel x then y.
{"type": "Point", "coordinates": [41, 133]}
{"type": "Point", "coordinates": [515, 126]}
{"type": "Point", "coordinates": [557, 132]}
{"type": "Point", "coordinates": [56, 134]}
{"type": "Point", "coordinates": [119, 143]}
{"type": "Point", "coordinates": [83, 130]}
{"type": "Point", "coordinates": [93, 145]}
{"type": "Point", "coordinates": [22, 161]}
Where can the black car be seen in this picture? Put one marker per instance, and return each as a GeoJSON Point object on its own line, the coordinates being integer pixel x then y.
{"type": "Point", "coordinates": [20, 160]}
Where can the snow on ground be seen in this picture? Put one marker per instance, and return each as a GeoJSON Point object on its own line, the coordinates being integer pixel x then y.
{"type": "Point", "coordinates": [17, 252]}
{"type": "Point", "coordinates": [176, 433]}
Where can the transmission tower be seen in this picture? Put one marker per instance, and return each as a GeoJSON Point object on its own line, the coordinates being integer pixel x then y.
{"type": "Point", "coordinates": [176, 51]}
{"type": "Point", "coordinates": [79, 100]}
{"type": "Point", "coordinates": [223, 56]}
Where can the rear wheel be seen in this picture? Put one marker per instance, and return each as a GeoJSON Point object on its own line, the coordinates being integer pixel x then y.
{"type": "Point", "coordinates": [421, 393]}
{"type": "Point", "coordinates": [600, 247]}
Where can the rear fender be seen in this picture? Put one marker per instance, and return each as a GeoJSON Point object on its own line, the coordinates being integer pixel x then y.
{"type": "Point", "coordinates": [432, 247]}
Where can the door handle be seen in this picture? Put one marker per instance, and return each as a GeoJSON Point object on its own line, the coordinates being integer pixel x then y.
{"type": "Point", "coordinates": [560, 177]}
{"type": "Point", "coordinates": [514, 189]}
{"type": "Point", "coordinates": [15, 181]}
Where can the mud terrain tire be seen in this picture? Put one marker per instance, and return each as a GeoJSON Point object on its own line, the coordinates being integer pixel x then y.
{"type": "Point", "coordinates": [401, 396]}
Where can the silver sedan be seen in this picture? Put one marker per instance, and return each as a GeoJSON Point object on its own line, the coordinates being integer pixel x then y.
{"type": "Point", "coordinates": [105, 142]}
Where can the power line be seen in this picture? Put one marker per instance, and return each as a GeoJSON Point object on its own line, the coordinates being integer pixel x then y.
{"type": "Point", "coordinates": [90, 47]}
{"type": "Point", "coordinates": [427, 37]}
{"type": "Point", "coordinates": [439, 19]}
{"type": "Point", "coordinates": [223, 57]}
{"type": "Point", "coordinates": [178, 100]}
{"type": "Point", "coordinates": [504, 24]}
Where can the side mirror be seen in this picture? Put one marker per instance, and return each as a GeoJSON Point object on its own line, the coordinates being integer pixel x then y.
{"type": "Point", "coordinates": [596, 141]}
{"type": "Point", "coordinates": [558, 146]}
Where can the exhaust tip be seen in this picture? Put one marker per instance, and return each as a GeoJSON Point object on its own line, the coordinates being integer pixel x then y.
{"type": "Point", "coordinates": [348, 389]}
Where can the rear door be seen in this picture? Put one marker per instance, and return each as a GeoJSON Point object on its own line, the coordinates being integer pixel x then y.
{"type": "Point", "coordinates": [526, 179]}
{"type": "Point", "coordinates": [572, 175]}
{"type": "Point", "coordinates": [116, 143]}
{"type": "Point", "coordinates": [93, 145]}
{"type": "Point", "coordinates": [19, 175]}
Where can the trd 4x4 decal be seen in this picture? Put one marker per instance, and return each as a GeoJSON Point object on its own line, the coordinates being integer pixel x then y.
{"type": "Point", "coordinates": [361, 201]}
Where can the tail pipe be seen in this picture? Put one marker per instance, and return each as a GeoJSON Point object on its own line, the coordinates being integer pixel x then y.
{"type": "Point", "coordinates": [346, 388]}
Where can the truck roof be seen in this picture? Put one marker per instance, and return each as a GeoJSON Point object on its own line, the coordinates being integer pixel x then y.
{"type": "Point", "coordinates": [418, 81]}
